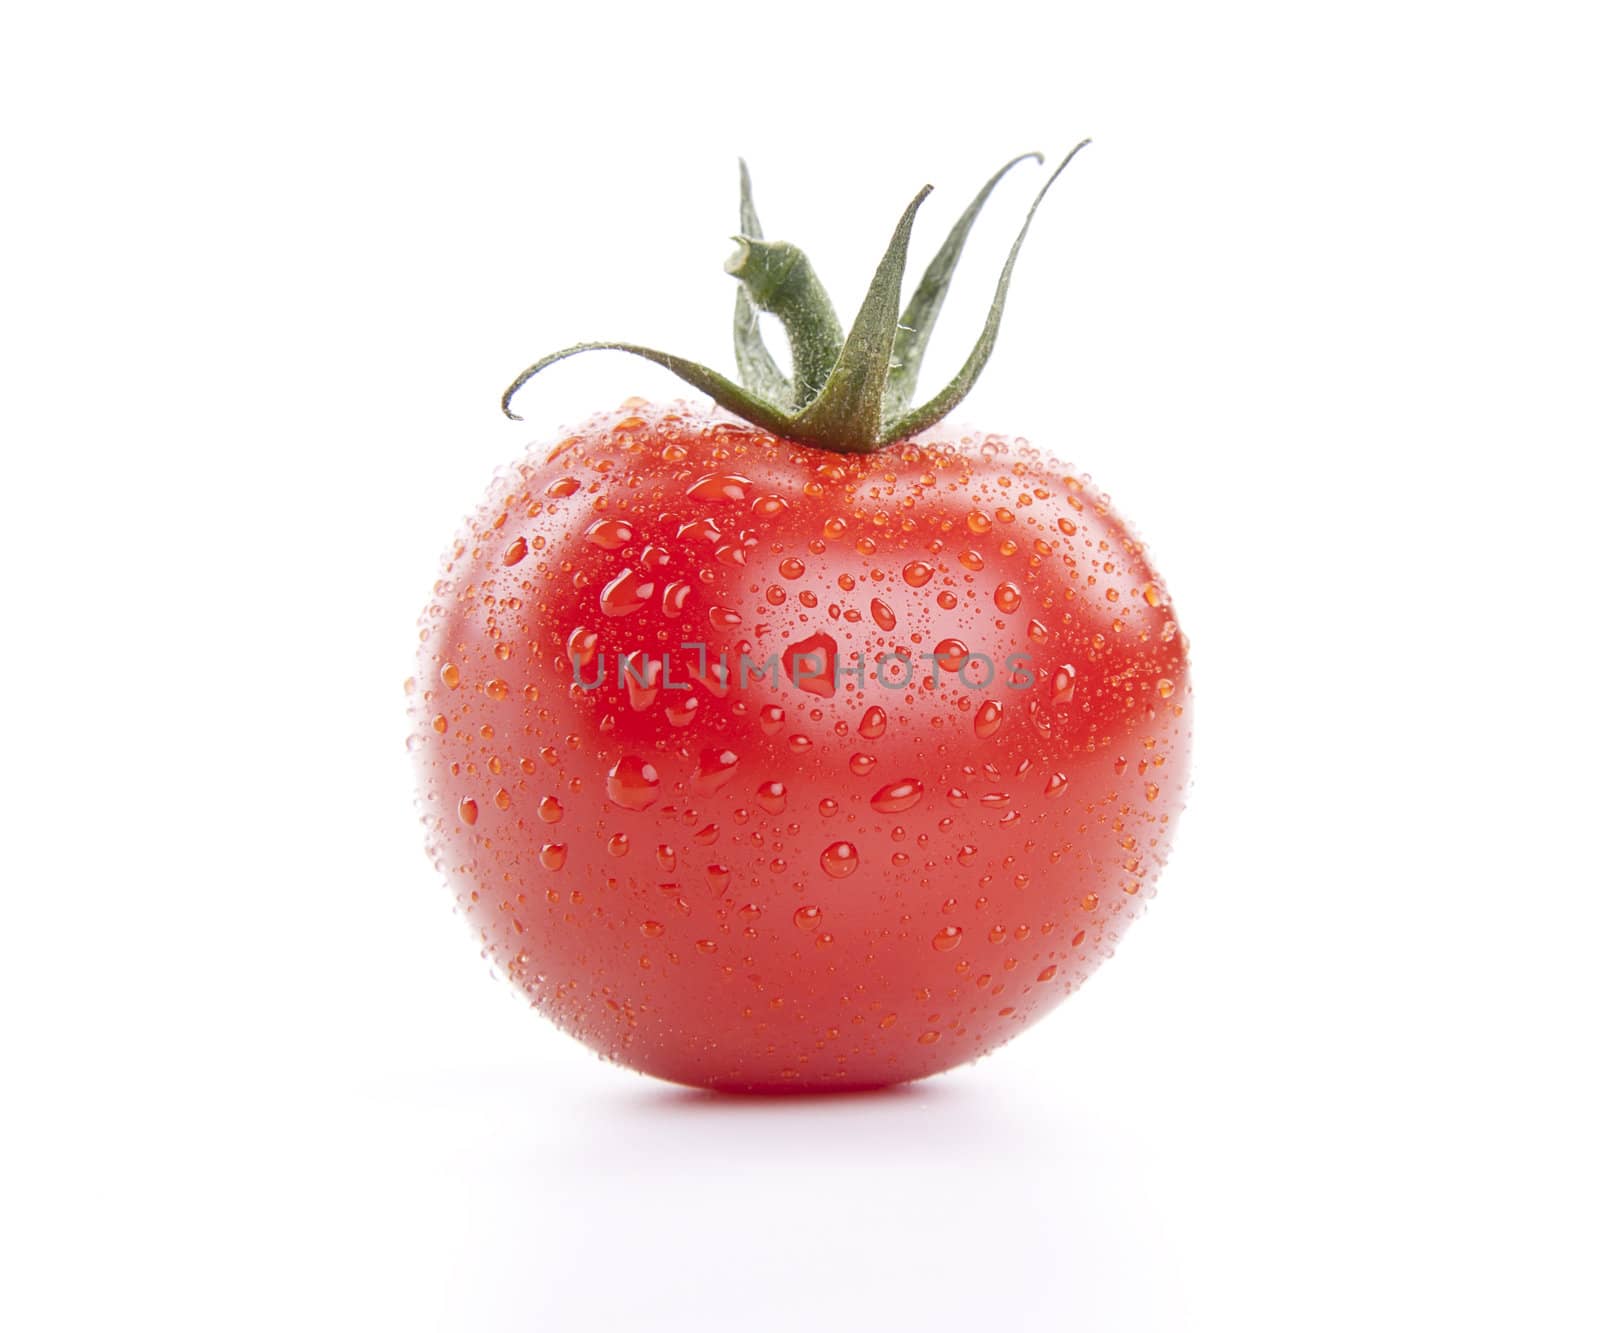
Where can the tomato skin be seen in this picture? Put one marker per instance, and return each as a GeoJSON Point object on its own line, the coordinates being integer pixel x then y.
{"type": "Point", "coordinates": [819, 880]}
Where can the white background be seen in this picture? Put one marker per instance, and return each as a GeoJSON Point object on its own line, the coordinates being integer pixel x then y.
{"type": "Point", "coordinates": [1318, 307]}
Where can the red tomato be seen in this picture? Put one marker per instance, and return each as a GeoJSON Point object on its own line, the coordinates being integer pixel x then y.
{"type": "Point", "coordinates": [759, 766]}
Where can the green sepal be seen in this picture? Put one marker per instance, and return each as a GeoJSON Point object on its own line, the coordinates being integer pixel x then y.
{"type": "Point", "coordinates": [922, 310]}
{"type": "Point", "coordinates": [719, 388]}
{"type": "Point", "coordinates": [757, 369]}
{"type": "Point", "coordinates": [939, 406]}
{"type": "Point", "coordinates": [848, 414]}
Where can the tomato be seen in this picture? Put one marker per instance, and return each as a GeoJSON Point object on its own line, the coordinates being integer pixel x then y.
{"type": "Point", "coordinates": [758, 765]}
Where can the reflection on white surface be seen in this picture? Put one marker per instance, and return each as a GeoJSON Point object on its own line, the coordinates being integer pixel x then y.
{"type": "Point", "coordinates": [631, 1205]}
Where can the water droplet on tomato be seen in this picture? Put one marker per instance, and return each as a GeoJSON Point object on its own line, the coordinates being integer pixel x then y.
{"type": "Point", "coordinates": [722, 487]}
{"type": "Point", "coordinates": [840, 859]}
{"type": "Point", "coordinates": [553, 855]}
{"type": "Point", "coordinates": [516, 551]}
{"type": "Point", "coordinates": [626, 593]}
{"type": "Point", "coordinates": [882, 614]}
{"type": "Point", "coordinates": [581, 646]}
{"type": "Point", "coordinates": [633, 783]}
{"type": "Point", "coordinates": [1008, 597]}
{"type": "Point", "coordinates": [917, 572]}
{"type": "Point", "coordinates": [987, 719]}
{"type": "Point", "coordinates": [897, 796]}
{"type": "Point", "coordinates": [874, 722]}
{"type": "Point", "coordinates": [772, 797]}
{"type": "Point", "coordinates": [609, 534]}
{"type": "Point", "coordinates": [467, 810]}
{"type": "Point", "coordinates": [550, 810]}
{"type": "Point", "coordinates": [807, 917]}
{"type": "Point", "coordinates": [714, 770]}
{"type": "Point", "coordinates": [947, 938]}
{"type": "Point", "coordinates": [705, 529]}
{"type": "Point", "coordinates": [812, 664]}
{"type": "Point", "coordinates": [673, 599]}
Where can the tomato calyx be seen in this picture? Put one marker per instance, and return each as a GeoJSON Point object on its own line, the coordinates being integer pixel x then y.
{"type": "Point", "coordinates": [850, 393]}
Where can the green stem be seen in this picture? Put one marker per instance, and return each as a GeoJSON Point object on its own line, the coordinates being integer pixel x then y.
{"type": "Point", "coordinates": [847, 415]}
{"type": "Point", "coordinates": [781, 281]}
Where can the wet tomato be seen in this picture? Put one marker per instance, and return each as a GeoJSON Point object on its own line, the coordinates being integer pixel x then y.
{"type": "Point", "coordinates": [758, 766]}
{"type": "Point", "coordinates": [814, 749]}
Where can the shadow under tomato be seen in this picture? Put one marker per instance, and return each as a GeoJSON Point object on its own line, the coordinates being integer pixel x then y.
{"type": "Point", "coordinates": [673, 1098]}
